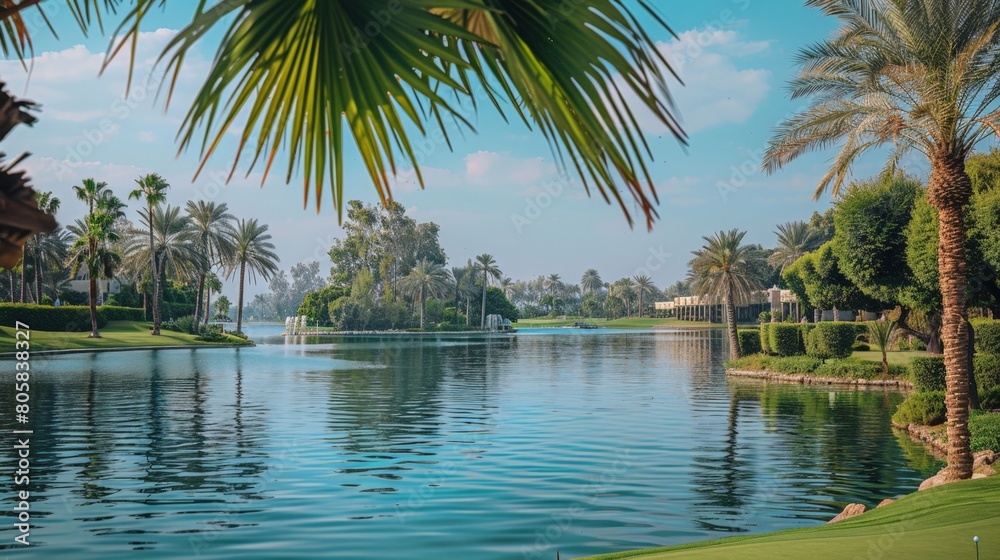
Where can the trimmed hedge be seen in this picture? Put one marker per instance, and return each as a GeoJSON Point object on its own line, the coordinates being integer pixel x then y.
{"type": "Point", "coordinates": [987, 335]}
{"type": "Point", "coordinates": [67, 318]}
{"type": "Point", "coordinates": [834, 340]}
{"type": "Point", "coordinates": [926, 409]}
{"type": "Point", "coordinates": [749, 342]}
{"type": "Point", "coordinates": [984, 431]}
{"type": "Point", "coordinates": [785, 339]}
{"type": "Point", "coordinates": [987, 371]}
{"type": "Point", "coordinates": [172, 310]}
{"type": "Point", "coordinates": [928, 373]}
{"type": "Point", "coordinates": [990, 399]}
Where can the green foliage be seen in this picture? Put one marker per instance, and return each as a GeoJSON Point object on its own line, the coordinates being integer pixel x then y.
{"type": "Point", "coordinates": [183, 324]}
{"type": "Point", "coordinates": [174, 310]}
{"type": "Point", "coordinates": [928, 373]}
{"type": "Point", "coordinates": [73, 297]}
{"type": "Point", "coordinates": [870, 222]}
{"type": "Point", "coordinates": [990, 399]}
{"type": "Point", "coordinates": [785, 339]}
{"type": "Point", "coordinates": [786, 365]}
{"type": "Point", "coordinates": [987, 371]}
{"type": "Point", "coordinates": [987, 335]}
{"type": "Point", "coordinates": [861, 347]}
{"type": "Point", "coordinates": [984, 431]}
{"type": "Point", "coordinates": [127, 296]}
{"type": "Point", "coordinates": [818, 275]}
{"type": "Point", "coordinates": [749, 342]}
{"type": "Point", "coordinates": [496, 303]}
{"type": "Point", "coordinates": [923, 408]}
{"type": "Point", "coordinates": [856, 368]}
{"type": "Point", "coordinates": [66, 318]}
{"type": "Point", "coordinates": [211, 333]}
{"type": "Point", "coordinates": [833, 340]}
{"type": "Point", "coordinates": [316, 305]}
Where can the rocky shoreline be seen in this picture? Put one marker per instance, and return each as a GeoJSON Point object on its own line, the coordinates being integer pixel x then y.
{"type": "Point", "coordinates": [806, 379]}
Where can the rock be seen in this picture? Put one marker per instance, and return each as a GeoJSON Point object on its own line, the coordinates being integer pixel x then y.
{"type": "Point", "coordinates": [976, 475]}
{"type": "Point", "coordinates": [983, 458]}
{"type": "Point", "coordinates": [850, 511]}
{"type": "Point", "coordinates": [885, 502]}
{"type": "Point", "coordinates": [936, 480]}
{"type": "Point", "coordinates": [988, 470]}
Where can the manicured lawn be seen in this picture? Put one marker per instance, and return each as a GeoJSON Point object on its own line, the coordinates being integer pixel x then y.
{"type": "Point", "coordinates": [900, 358]}
{"type": "Point", "coordinates": [117, 334]}
{"type": "Point", "coordinates": [936, 523]}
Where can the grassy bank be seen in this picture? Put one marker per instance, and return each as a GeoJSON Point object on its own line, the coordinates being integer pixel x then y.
{"type": "Point", "coordinates": [935, 523]}
{"type": "Point", "coordinates": [117, 334]}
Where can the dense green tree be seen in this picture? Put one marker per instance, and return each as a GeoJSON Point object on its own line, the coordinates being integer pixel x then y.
{"type": "Point", "coordinates": [496, 304]}
{"type": "Point", "coordinates": [95, 239]}
{"type": "Point", "coordinates": [222, 307]}
{"type": "Point", "coordinates": [816, 278]}
{"type": "Point", "coordinates": [316, 305]}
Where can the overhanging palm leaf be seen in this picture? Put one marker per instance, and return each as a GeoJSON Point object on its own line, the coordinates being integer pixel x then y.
{"type": "Point", "coordinates": [299, 75]}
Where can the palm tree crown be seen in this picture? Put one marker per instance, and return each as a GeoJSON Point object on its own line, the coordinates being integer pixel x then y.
{"type": "Point", "coordinates": [425, 279]}
{"type": "Point", "coordinates": [794, 240]}
{"type": "Point", "coordinates": [487, 267]}
{"type": "Point", "coordinates": [591, 281]}
{"type": "Point", "coordinates": [253, 253]}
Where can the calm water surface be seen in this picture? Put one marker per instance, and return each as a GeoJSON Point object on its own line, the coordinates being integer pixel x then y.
{"type": "Point", "coordinates": [577, 441]}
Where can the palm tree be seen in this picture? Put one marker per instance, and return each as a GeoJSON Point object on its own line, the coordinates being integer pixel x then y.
{"type": "Point", "coordinates": [41, 247]}
{"type": "Point", "coordinates": [643, 286]}
{"type": "Point", "coordinates": [626, 293]}
{"type": "Point", "coordinates": [174, 251]}
{"type": "Point", "coordinates": [211, 226]}
{"type": "Point", "coordinates": [725, 267]}
{"type": "Point", "coordinates": [427, 278]}
{"type": "Point", "coordinates": [910, 75]}
{"type": "Point", "coordinates": [591, 281]}
{"type": "Point", "coordinates": [507, 285]}
{"type": "Point", "coordinates": [486, 266]}
{"type": "Point", "coordinates": [553, 283]}
{"type": "Point", "coordinates": [794, 240]}
{"type": "Point", "coordinates": [881, 334]}
{"type": "Point", "coordinates": [212, 284]}
{"type": "Point", "coordinates": [253, 252]}
{"type": "Point", "coordinates": [94, 246]}
{"type": "Point", "coordinates": [153, 189]}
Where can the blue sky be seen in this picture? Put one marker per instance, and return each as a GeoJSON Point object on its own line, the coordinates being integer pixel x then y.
{"type": "Point", "coordinates": [499, 190]}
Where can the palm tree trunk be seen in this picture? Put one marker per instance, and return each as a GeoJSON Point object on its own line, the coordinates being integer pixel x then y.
{"type": "Point", "coordinates": [197, 300]}
{"type": "Point", "coordinates": [10, 276]}
{"type": "Point", "coordinates": [24, 287]}
{"type": "Point", "coordinates": [93, 307]}
{"type": "Point", "coordinates": [421, 308]}
{"type": "Point", "coordinates": [38, 285]}
{"type": "Point", "coordinates": [734, 337]}
{"type": "Point", "coordinates": [949, 190]}
{"type": "Point", "coordinates": [155, 277]}
{"type": "Point", "coordinates": [468, 303]}
{"type": "Point", "coordinates": [208, 304]}
{"type": "Point", "coordinates": [482, 316]}
{"type": "Point", "coordinates": [239, 308]}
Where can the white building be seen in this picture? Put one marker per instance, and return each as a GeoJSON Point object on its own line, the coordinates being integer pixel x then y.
{"type": "Point", "coordinates": [81, 283]}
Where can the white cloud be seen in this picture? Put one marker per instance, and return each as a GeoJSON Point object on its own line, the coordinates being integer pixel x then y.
{"type": "Point", "coordinates": [146, 136]}
{"type": "Point", "coordinates": [503, 169]}
{"type": "Point", "coordinates": [715, 90]}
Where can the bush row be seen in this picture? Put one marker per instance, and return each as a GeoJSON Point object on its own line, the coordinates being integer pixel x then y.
{"type": "Point", "coordinates": [847, 368]}
{"type": "Point", "coordinates": [928, 372]}
{"type": "Point", "coordinates": [987, 335]}
{"type": "Point", "coordinates": [823, 340]}
{"type": "Point", "coordinates": [67, 318]}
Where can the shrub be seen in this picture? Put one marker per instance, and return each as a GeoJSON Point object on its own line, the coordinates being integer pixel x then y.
{"type": "Point", "coordinates": [68, 318]}
{"type": "Point", "coordinates": [835, 339]}
{"type": "Point", "coordinates": [47, 300]}
{"type": "Point", "coordinates": [990, 399]}
{"type": "Point", "coordinates": [987, 335]}
{"type": "Point", "coordinates": [749, 342]}
{"type": "Point", "coordinates": [987, 371]}
{"type": "Point", "coordinates": [211, 333]}
{"type": "Point", "coordinates": [764, 317]}
{"type": "Point", "coordinates": [814, 348]}
{"type": "Point", "coordinates": [984, 430]}
{"type": "Point", "coordinates": [794, 364]}
{"type": "Point", "coordinates": [851, 368]}
{"type": "Point", "coordinates": [926, 409]}
{"type": "Point", "coordinates": [765, 338]}
{"type": "Point", "coordinates": [185, 324]}
{"type": "Point", "coordinates": [240, 334]}
{"type": "Point", "coordinates": [785, 339]}
{"type": "Point", "coordinates": [927, 373]}
{"type": "Point", "coordinates": [113, 313]}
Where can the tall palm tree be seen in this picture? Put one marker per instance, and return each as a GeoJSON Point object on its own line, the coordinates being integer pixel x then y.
{"type": "Point", "coordinates": [174, 250]}
{"type": "Point", "coordinates": [626, 293]}
{"type": "Point", "coordinates": [427, 278]}
{"type": "Point", "coordinates": [253, 252]}
{"type": "Point", "coordinates": [94, 247]}
{"type": "Point", "coordinates": [554, 283]}
{"type": "Point", "coordinates": [643, 286]}
{"type": "Point", "coordinates": [726, 267]}
{"type": "Point", "coordinates": [910, 75]}
{"type": "Point", "coordinates": [153, 190]}
{"type": "Point", "coordinates": [794, 240]}
{"type": "Point", "coordinates": [40, 246]}
{"type": "Point", "coordinates": [212, 227]}
{"type": "Point", "coordinates": [487, 267]}
{"type": "Point", "coordinates": [591, 281]}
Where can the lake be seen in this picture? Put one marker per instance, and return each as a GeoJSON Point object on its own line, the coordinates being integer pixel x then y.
{"type": "Point", "coordinates": [564, 440]}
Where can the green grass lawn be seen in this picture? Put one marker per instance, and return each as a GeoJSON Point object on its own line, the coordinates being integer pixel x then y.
{"type": "Point", "coordinates": [117, 334]}
{"type": "Point", "coordinates": [935, 523]}
{"type": "Point", "coordinates": [899, 358]}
